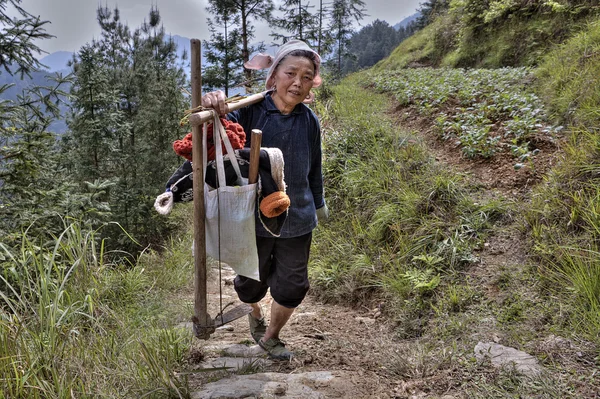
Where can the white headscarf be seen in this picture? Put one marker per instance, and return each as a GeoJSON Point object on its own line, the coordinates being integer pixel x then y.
{"type": "Point", "coordinates": [262, 61]}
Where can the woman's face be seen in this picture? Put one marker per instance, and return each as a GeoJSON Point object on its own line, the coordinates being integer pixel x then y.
{"type": "Point", "coordinates": [293, 81]}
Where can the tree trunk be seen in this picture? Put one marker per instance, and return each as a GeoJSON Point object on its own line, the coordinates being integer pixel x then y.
{"type": "Point", "coordinates": [245, 52]}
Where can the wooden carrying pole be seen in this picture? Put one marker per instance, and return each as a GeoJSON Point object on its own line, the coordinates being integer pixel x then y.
{"type": "Point", "coordinates": [198, 118]}
{"type": "Point", "coordinates": [203, 324]}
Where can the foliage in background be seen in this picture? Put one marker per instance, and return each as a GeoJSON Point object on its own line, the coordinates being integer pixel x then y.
{"type": "Point", "coordinates": [296, 21]}
{"type": "Point", "coordinates": [429, 10]}
{"type": "Point", "coordinates": [247, 12]}
{"type": "Point", "coordinates": [17, 39]}
{"type": "Point", "coordinates": [35, 188]}
{"type": "Point", "coordinates": [371, 44]}
{"type": "Point", "coordinates": [402, 226]}
{"type": "Point", "coordinates": [423, 48]}
{"type": "Point", "coordinates": [342, 15]}
{"type": "Point", "coordinates": [224, 50]}
{"type": "Point", "coordinates": [126, 108]}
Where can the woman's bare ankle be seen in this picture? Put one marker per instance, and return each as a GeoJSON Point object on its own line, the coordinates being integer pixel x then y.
{"type": "Point", "coordinates": [256, 311]}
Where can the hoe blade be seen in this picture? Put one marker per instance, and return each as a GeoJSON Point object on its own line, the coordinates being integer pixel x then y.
{"type": "Point", "coordinates": [233, 314]}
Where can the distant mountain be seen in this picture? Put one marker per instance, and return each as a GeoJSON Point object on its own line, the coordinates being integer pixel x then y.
{"type": "Point", "coordinates": [407, 21]}
{"type": "Point", "coordinates": [57, 61]}
{"type": "Point", "coordinates": [183, 44]}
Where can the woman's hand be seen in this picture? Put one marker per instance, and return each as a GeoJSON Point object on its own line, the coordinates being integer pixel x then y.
{"type": "Point", "coordinates": [216, 101]}
{"type": "Point", "coordinates": [323, 213]}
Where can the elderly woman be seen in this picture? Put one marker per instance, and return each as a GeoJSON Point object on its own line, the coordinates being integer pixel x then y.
{"type": "Point", "coordinates": [289, 125]}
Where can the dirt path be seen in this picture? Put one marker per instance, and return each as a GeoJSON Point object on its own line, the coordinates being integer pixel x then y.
{"type": "Point", "coordinates": [354, 344]}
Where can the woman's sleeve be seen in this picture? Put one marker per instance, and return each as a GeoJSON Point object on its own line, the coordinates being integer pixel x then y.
{"type": "Point", "coordinates": [315, 175]}
{"type": "Point", "coordinates": [183, 170]}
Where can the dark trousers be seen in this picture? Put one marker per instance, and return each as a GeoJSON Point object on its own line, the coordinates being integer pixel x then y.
{"type": "Point", "coordinates": [283, 268]}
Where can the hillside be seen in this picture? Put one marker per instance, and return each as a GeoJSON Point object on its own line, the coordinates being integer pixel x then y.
{"type": "Point", "coordinates": [423, 264]}
{"type": "Point", "coordinates": [473, 33]}
{"type": "Point", "coordinates": [465, 222]}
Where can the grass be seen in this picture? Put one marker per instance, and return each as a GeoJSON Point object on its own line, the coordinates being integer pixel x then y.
{"type": "Point", "coordinates": [407, 232]}
{"type": "Point", "coordinates": [403, 225]}
{"type": "Point", "coordinates": [563, 223]}
{"type": "Point", "coordinates": [73, 324]}
{"type": "Point", "coordinates": [569, 78]}
{"type": "Point", "coordinates": [577, 271]}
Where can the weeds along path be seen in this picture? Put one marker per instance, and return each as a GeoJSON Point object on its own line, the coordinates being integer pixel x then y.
{"type": "Point", "coordinates": [352, 341]}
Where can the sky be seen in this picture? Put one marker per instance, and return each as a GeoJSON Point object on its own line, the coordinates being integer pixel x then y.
{"type": "Point", "coordinates": [73, 22]}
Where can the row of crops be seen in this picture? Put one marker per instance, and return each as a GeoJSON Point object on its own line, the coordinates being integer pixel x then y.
{"type": "Point", "coordinates": [485, 111]}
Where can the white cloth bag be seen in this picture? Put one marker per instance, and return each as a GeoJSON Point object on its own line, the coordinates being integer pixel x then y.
{"type": "Point", "coordinates": [230, 220]}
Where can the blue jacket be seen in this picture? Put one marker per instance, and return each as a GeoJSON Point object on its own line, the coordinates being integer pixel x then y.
{"type": "Point", "coordinates": [298, 136]}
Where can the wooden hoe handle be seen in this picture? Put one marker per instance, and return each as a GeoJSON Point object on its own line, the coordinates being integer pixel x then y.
{"type": "Point", "coordinates": [255, 143]}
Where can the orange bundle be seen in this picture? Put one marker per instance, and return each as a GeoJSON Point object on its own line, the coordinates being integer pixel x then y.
{"type": "Point", "coordinates": [274, 204]}
{"type": "Point", "coordinates": [235, 133]}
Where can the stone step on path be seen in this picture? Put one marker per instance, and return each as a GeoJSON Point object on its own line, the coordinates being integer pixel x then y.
{"type": "Point", "coordinates": [235, 356]}
{"type": "Point", "coordinates": [310, 385]}
{"type": "Point", "coordinates": [247, 358]}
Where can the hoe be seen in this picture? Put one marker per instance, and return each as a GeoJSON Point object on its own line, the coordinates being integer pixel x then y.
{"type": "Point", "coordinates": [203, 323]}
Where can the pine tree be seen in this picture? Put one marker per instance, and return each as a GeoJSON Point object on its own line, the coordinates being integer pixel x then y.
{"type": "Point", "coordinates": [98, 125]}
{"type": "Point", "coordinates": [35, 185]}
{"type": "Point", "coordinates": [298, 22]}
{"type": "Point", "coordinates": [342, 16]}
{"type": "Point", "coordinates": [17, 39]}
{"type": "Point", "coordinates": [325, 39]}
{"type": "Point", "coordinates": [24, 143]}
{"type": "Point", "coordinates": [224, 50]}
{"type": "Point", "coordinates": [127, 111]}
{"type": "Point", "coordinates": [159, 108]}
{"type": "Point", "coordinates": [247, 10]}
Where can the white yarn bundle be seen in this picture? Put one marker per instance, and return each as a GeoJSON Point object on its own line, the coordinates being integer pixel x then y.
{"type": "Point", "coordinates": [164, 203]}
